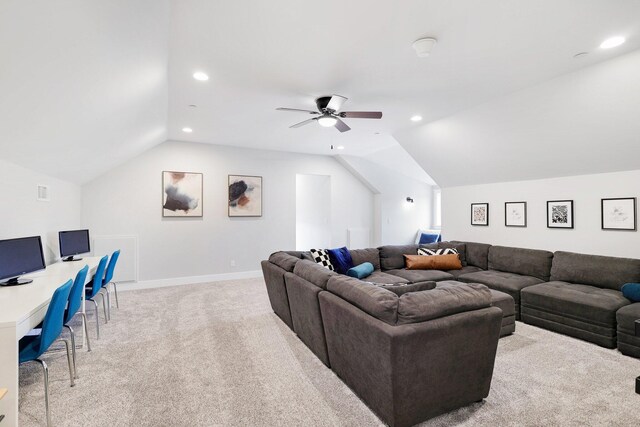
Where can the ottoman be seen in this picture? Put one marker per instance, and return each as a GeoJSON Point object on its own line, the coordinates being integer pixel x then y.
{"type": "Point", "coordinates": [506, 303]}
{"type": "Point", "coordinates": [628, 342]}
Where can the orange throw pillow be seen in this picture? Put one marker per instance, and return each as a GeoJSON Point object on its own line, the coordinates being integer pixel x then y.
{"type": "Point", "coordinates": [433, 262]}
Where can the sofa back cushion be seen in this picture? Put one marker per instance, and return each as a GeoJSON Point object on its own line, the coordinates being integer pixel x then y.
{"type": "Point", "coordinates": [392, 256]}
{"type": "Point", "coordinates": [476, 254]}
{"type": "Point", "coordinates": [445, 300]}
{"type": "Point", "coordinates": [374, 300]}
{"type": "Point", "coordinates": [371, 255]}
{"type": "Point", "coordinates": [528, 262]}
{"type": "Point", "coordinates": [402, 288]}
{"type": "Point", "coordinates": [460, 247]}
{"type": "Point", "coordinates": [284, 260]}
{"type": "Point", "coordinates": [595, 270]}
{"type": "Point", "coordinates": [313, 272]}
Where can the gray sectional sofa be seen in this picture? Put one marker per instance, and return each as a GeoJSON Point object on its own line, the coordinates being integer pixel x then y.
{"type": "Point", "coordinates": [369, 331]}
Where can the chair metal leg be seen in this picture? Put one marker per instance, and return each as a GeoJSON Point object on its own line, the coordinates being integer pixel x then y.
{"type": "Point", "coordinates": [115, 291]}
{"type": "Point", "coordinates": [86, 330]}
{"type": "Point", "coordinates": [45, 371]}
{"type": "Point", "coordinates": [108, 300]}
{"type": "Point", "coordinates": [67, 344]}
{"type": "Point", "coordinates": [95, 305]}
{"type": "Point", "coordinates": [73, 350]}
{"type": "Point", "coordinates": [104, 306]}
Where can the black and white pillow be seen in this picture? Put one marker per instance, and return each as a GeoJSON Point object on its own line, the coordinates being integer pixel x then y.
{"type": "Point", "coordinates": [443, 251]}
{"type": "Point", "coordinates": [321, 256]}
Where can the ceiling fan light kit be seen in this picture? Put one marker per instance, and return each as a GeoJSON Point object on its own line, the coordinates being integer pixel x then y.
{"type": "Point", "coordinates": [329, 113]}
{"type": "Point", "coordinates": [424, 46]}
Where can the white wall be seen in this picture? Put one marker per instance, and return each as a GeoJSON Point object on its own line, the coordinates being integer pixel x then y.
{"type": "Point", "coordinates": [313, 211]}
{"type": "Point", "coordinates": [127, 201]}
{"type": "Point", "coordinates": [586, 192]}
{"type": "Point", "coordinates": [22, 215]}
{"type": "Point", "coordinates": [397, 220]}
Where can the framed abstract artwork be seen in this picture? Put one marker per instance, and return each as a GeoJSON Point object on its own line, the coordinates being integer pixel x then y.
{"type": "Point", "coordinates": [560, 214]}
{"type": "Point", "coordinates": [619, 214]}
{"type": "Point", "coordinates": [181, 194]}
{"type": "Point", "coordinates": [479, 213]}
{"type": "Point", "coordinates": [245, 195]}
{"type": "Point", "coordinates": [515, 214]}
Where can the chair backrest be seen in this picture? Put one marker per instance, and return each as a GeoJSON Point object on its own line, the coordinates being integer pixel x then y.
{"type": "Point", "coordinates": [98, 277]}
{"type": "Point", "coordinates": [53, 320]}
{"type": "Point", "coordinates": [111, 267]}
{"type": "Point", "coordinates": [75, 296]}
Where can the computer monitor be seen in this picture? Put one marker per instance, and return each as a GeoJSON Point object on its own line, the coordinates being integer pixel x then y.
{"type": "Point", "coordinates": [18, 257]}
{"type": "Point", "coordinates": [73, 242]}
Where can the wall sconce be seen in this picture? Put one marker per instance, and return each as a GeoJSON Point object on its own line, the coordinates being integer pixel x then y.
{"type": "Point", "coordinates": [409, 200]}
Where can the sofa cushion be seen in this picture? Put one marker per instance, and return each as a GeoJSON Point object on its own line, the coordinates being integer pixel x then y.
{"type": "Point", "coordinates": [477, 254]}
{"type": "Point", "coordinates": [341, 259]}
{"type": "Point", "coordinates": [460, 247]}
{"type": "Point", "coordinates": [421, 275]}
{"type": "Point", "coordinates": [509, 283]}
{"type": "Point", "coordinates": [445, 300]}
{"type": "Point", "coordinates": [360, 271]}
{"type": "Point", "coordinates": [391, 256]}
{"type": "Point", "coordinates": [404, 288]}
{"type": "Point", "coordinates": [580, 302]}
{"type": "Point", "coordinates": [631, 291]}
{"type": "Point", "coordinates": [384, 277]}
{"type": "Point", "coordinates": [284, 260]}
{"type": "Point", "coordinates": [626, 319]}
{"type": "Point", "coordinates": [433, 262]}
{"type": "Point", "coordinates": [313, 272]}
{"type": "Point", "coordinates": [321, 257]}
{"type": "Point", "coordinates": [595, 270]}
{"type": "Point", "coordinates": [374, 300]}
{"type": "Point", "coordinates": [371, 255]}
{"type": "Point", "coordinates": [528, 262]}
{"type": "Point", "coordinates": [464, 270]}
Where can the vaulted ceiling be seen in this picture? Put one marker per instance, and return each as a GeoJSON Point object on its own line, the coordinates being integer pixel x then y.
{"type": "Point", "coordinates": [89, 84]}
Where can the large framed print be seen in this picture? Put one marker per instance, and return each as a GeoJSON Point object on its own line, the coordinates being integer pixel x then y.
{"type": "Point", "coordinates": [480, 214]}
{"type": "Point", "coordinates": [245, 196]}
{"type": "Point", "coordinates": [515, 214]}
{"type": "Point", "coordinates": [560, 214]}
{"type": "Point", "coordinates": [619, 214]}
{"type": "Point", "coordinates": [181, 194]}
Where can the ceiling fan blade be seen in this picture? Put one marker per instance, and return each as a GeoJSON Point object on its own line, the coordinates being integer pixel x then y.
{"type": "Point", "coordinates": [362, 114]}
{"type": "Point", "coordinates": [341, 126]}
{"type": "Point", "coordinates": [335, 103]}
{"type": "Point", "coordinates": [302, 123]}
{"type": "Point", "coordinates": [296, 109]}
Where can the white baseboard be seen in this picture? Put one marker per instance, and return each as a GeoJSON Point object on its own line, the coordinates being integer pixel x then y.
{"type": "Point", "coordinates": [189, 280]}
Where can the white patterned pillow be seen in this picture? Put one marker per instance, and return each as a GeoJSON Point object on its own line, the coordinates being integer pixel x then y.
{"type": "Point", "coordinates": [443, 251]}
{"type": "Point", "coordinates": [321, 256]}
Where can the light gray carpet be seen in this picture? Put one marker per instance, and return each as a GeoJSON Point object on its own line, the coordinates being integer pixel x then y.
{"type": "Point", "coordinates": [215, 354]}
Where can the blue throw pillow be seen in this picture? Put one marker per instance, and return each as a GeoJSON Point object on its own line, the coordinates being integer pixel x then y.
{"type": "Point", "coordinates": [429, 238]}
{"type": "Point", "coordinates": [341, 259]}
{"type": "Point", "coordinates": [631, 291]}
{"type": "Point", "coordinates": [361, 271]}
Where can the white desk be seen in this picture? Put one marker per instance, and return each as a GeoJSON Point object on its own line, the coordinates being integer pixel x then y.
{"type": "Point", "coordinates": [22, 308]}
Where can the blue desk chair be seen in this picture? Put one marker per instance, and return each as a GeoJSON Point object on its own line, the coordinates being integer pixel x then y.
{"type": "Point", "coordinates": [33, 346]}
{"type": "Point", "coordinates": [92, 291]}
{"type": "Point", "coordinates": [108, 280]}
{"type": "Point", "coordinates": [74, 304]}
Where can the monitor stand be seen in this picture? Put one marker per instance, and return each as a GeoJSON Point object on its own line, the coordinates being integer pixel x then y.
{"type": "Point", "coordinates": [71, 258]}
{"type": "Point", "coordinates": [15, 282]}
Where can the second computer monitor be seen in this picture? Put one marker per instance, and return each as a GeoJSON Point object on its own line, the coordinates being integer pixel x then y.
{"type": "Point", "coordinates": [73, 242]}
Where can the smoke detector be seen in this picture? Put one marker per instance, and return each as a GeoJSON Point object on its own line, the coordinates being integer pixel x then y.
{"type": "Point", "coordinates": [423, 46]}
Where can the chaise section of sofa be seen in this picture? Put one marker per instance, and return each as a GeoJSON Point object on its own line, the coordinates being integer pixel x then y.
{"type": "Point", "coordinates": [583, 296]}
{"type": "Point", "coordinates": [511, 270]}
{"type": "Point", "coordinates": [412, 357]}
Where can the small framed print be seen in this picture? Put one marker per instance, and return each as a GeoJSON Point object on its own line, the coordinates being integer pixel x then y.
{"type": "Point", "coordinates": [182, 194]}
{"type": "Point", "coordinates": [245, 196]}
{"type": "Point", "coordinates": [479, 213]}
{"type": "Point", "coordinates": [619, 214]}
{"type": "Point", "coordinates": [560, 214]}
{"type": "Point", "coordinates": [515, 214]}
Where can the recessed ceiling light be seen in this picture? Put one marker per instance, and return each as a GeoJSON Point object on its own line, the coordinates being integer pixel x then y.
{"type": "Point", "coordinates": [612, 42]}
{"type": "Point", "coordinates": [199, 75]}
{"type": "Point", "coordinates": [340, 147]}
{"type": "Point", "coordinates": [187, 130]}
{"type": "Point", "coordinates": [416, 118]}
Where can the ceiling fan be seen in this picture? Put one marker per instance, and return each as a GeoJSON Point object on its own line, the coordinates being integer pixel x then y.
{"type": "Point", "coordinates": [329, 113]}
